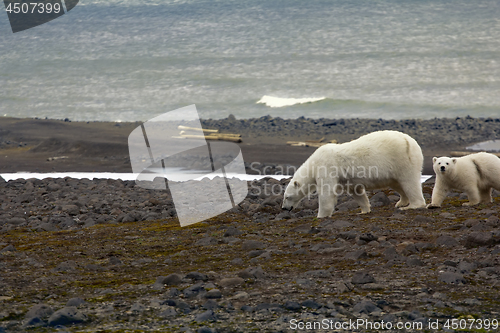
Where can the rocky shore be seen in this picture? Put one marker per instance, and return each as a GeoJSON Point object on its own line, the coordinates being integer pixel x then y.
{"type": "Point", "coordinates": [110, 256]}
{"type": "Point", "coordinates": [44, 145]}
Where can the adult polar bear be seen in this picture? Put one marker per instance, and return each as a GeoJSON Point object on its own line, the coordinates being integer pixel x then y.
{"type": "Point", "coordinates": [376, 160]}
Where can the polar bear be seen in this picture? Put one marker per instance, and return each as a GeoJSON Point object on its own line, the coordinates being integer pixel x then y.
{"type": "Point", "coordinates": [474, 174]}
{"type": "Point", "coordinates": [376, 160]}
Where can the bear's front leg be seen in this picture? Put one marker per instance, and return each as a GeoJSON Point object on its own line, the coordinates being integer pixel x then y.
{"type": "Point", "coordinates": [362, 200]}
{"type": "Point", "coordinates": [438, 195]}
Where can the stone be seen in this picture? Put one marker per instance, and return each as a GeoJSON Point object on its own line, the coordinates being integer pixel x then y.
{"type": "Point", "coordinates": [168, 313]}
{"type": "Point", "coordinates": [41, 311]}
{"type": "Point", "coordinates": [362, 278]}
{"type": "Point", "coordinates": [208, 315]}
{"type": "Point", "coordinates": [249, 245]}
{"type": "Point", "coordinates": [366, 307]}
{"type": "Point", "coordinates": [446, 241]}
{"type": "Point", "coordinates": [170, 280]}
{"type": "Point", "coordinates": [207, 241]}
{"type": "Point", "coordinates": [76, 301]}
{"type": "Point", "coordinates": [475, 239]}
{"type": "Point", "coordinates": [292, 306]}
{"type": "Point", "coordinates": [8, 248]}
{"type": "Point", "coordinates": [380, 199]}
{"type": "Point", "coordinates": [452, 278]}
{"type": "Point", "coordinates": [197, 276]}
{"type": "Point", "coordinates": [355, 255]}
{"type": "Point", "coordinates": [232, 231]}
{"type": "Point", "coordinates": [213, 293]}
{"type": "Point", "coordinates": [231, 282]}
{"type": "Point", "coordinates": [66, 316]}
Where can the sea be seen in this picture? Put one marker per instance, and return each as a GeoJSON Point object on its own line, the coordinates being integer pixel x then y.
{"type": "Point", "coordinates": [131, 60]}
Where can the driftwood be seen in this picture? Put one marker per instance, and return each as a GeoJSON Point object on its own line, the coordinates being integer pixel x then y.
{"type": "Point", "coordinates": [465, 153]}
{"type": "Point", "coordinates": [197, 129]}
{"type": "Point", "coordinates": [218, 136]}
{"type": "Point", "coordinates": [309, 143]}
{"type": "Point", "coordinates": [209, 134]}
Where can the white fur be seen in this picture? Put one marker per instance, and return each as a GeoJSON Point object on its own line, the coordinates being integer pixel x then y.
{"type": "Point", "coordinates": [474, 174]}
{"type": "Point", "coordinates": [376, 160]}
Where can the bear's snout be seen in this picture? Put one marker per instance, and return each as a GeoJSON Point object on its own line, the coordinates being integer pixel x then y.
{"type": "Point", "coordinates": [443, 168]}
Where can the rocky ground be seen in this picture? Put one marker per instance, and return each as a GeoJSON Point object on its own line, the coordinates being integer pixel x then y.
{"type": "Point", "coordinates": [109, 256]}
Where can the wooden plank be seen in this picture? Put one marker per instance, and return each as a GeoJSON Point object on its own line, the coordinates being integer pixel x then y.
{"type": "Point", "coordinates": [181, 127]}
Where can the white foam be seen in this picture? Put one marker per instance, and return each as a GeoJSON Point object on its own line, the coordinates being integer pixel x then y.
{"type": "Point", "coordinates": [130, 176]}
{"type": "Point", "coordinates": [278, 102]}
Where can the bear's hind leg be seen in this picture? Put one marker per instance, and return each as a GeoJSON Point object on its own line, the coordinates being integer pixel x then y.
{"type": "Point", "coordinates": [474, 197]}
{"type": "Point", "coordinates": [403, 199]}
{"type": "Point", "coordinates": [486, 195]}
{"type": "Point", "coordinates": [413, 190]}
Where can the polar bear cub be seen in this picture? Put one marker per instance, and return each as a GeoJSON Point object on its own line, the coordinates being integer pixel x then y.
{"type": "Point", "coordinates": [475, 174]}
{"type": "Point", "coordinates": [376, 160]}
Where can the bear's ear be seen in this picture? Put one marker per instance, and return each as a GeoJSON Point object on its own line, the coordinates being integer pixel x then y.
{"type": "Point", "coordinates": [434, 159]}
{"type": "Point", "coordinates": [296, 183]}
{"type": "Point", "coordinates": [454, 160]}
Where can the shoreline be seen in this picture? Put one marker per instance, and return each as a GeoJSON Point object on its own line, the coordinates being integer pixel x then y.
{"type": "Point", "coordinates": [46, 145]}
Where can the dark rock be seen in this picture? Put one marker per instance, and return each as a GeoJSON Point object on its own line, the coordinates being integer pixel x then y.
{"type": "Point", "coordinates": [206, 241]}
{"type": "Point", "coordinates": [355, 255]}
{"type": "Point", "coordinates": [311, 304]}
{"type": "Point", "coordinates": [414, 261]}
{"type": "Point", "coordinates": [339, 224]}
{"type": "Point", "coordinates": [8, 248]}
{"type": "Point", "coordinates": [347, 235]}
{"type": "Point", "coordinates": [66, 316]}
{"type": "Point", "coordinates": [170, 280]}
{"type": "Point", "coordinates": [321, 273]}
{"type": "Point", "coordinates": [391, 254]}
{"type": "Point", "coordinates": [466, 267]}
{"type": "Point", "coordinates": [475, 239]}
{"type": "Point", "coordinates": [232, 231]}
{"type": "Point", "coordinates": [208, 315]}
{"type": "Point", "coordinates": [249, 245]}
{"type": "Point", "coordinates": [231, 282]}
{"type": "Point", "coordinates": [292, 306]}
{"type": "Point", "coordinates": [205, 329]}
{"type": "Point", "coordinates": [362, 278]}
{"type": "Point", "coordinates": [193, 290]}
{"type": "Point", "coordinates": [255, 253]}
{"type": "Point", "coordinates": [213, 294]}
{"type": "Point", "coordinates": [196, 276]}
{"type": "Point", "coordinates": [138, 308]}
{"type": "Point", "coordinates": [365, 307]}
{"type": "Point", "coordinates": [41, 311]}
{"type": "Point", "coordinates": [76, 301]}
{"type": "Point", "coordinates": [168, 313]}
{"type": "Point", "coordinates": [446, 241]}
{"type": "Point", "coordinates": [368, 237]}
{"type": "Point", "coordinates": [114, 261]}
{"type": "Point", "coordinates": [380, 199]}
{"type": "Point", "coordinates": [421, 219]}
{"type": "Point", "coordinates": [452, 278]}
{"type": "Point", "coordinates": [210, 305]}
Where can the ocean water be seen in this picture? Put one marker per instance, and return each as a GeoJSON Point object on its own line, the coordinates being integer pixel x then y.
{"type": "Point", "coordinates": [128, 60]}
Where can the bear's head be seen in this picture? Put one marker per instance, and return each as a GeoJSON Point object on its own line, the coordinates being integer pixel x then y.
{"type": "Point", "coordinates": [443, 165]}
{"type": "Point", "coordinates": [294, 192]}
